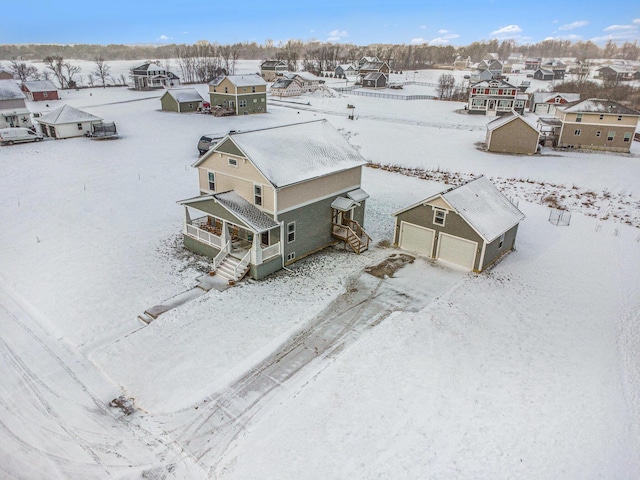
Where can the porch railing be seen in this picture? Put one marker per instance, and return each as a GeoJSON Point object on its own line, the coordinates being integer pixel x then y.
{"type": "Point", "coordinates": [240, 268]}
{"type": "Point", "coordinates": [202, 235]}
{"type": "Point", "coordinates": [219, 258]}
{"type": "Point", "coordinates": [271, 251]}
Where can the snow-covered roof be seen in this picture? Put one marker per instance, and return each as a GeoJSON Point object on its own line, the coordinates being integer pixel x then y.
{"type": "Point", "coordinates": [40, 86]}
{"type": "Point", "coordinates": [346, 66]}
{"type": "Point", "coordinates": [493, 83]}
{"type": "Point", "coordinates": [149, 66]}
{"type": "Point", "coordinates": [290, 154]}
{"type": "Point", "coordinates": [545, 71]}
{"type": "Point", "coordinates": [9, 90]}
{"type": "Point", "coordinates": [543, 97]}
{"type": "Point", "coordinates": [281, 83]}
{"type": "Point", "coordinates": [231, 201]}
{"type": "Point", "coordinates": [308, 76]}
{"type": "Point", "coordinates": [482, 206]}
{"type": "Point", "coordinates": [509, 117]}
{"type": "Point", "coordinates": [272, 64]}
{"type": "Point", "coordinates": [373, 76]}
{"type": "Point", "coordinates": [67, 114]}
{"type": "Point", "coordinates": [597, 105]}
{"type": "Point", "coordinates": [182, 95]}
{"type": "Point", "coordinates": [372, 66]}
{"type": "Point", "coordinates": [248, 80]}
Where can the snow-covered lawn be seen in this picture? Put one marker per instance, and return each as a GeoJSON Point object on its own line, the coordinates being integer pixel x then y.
{"type": "Point", "coordinates": [526, 371]}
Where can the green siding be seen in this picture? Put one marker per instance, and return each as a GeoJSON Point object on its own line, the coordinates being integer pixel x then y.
{"type": "Point", "coordinates": [199, 247]}
{"type": "Point", "coordinates": [258, 272]}
{"type": "Point", "coordinates": [229, 147]}
{"type": "Point", "coordinates": [168, 103]}
{"type": "Point", "coordinates": [259, 106]}
{"type": "Point", "coordinates": [492, 252]}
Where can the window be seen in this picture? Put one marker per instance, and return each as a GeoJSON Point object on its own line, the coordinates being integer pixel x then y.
{"type": "Point", "coordinates": [602, 116]}
{"type": "Point", "coordinates": [611, 136]}
{"type": "Point", "coordinates": [439, 216]}
{"type": "Point", "coordinates": [501, 242]}
{"type": "Point", "coordinates": [291, 232]}
{"type": "Point", "coordinates": [212, 181]}
{"type": "Point", "coordinates": [578, 117]}
{"type": "Point", "coordinates": [242, 103]}
{"type": "Point", "coordinates": [257, 194]}
{"type": "Point", "coordinates": [253, 89]}
{"type": "Point", "coordinates": [291, 256]}
{"type": "Point", "coordinates": [45, 94]}
{"type": "Point", "coordinates": [627, 137]}
{"type": "Point", "coordinates": [577, 132]}
{"type": "Point", "coordinates": [619, 118]}
{"type": "Point", "coordinates": [262, 100]}
{"type": "Point", "coordinates": [255, 100]}
{"type": "Point", "coordinates": [191, 105]}
{"type": "Point", "coordinates": [598, 133]}
{"type": "Point", "coordinates": [232, 162]}
{"type": "Point", "coordinates": [557, 100]}
{"type": "Point", "coordinates": [226, 89]}
{"type": "Point", "coordinates": [79, 126]}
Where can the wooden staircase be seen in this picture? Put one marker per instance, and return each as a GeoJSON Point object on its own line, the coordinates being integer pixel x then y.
{"type": "Point", "coordinates": [232, 269]}
{"type": "Point", "coordinates": [350, 232]}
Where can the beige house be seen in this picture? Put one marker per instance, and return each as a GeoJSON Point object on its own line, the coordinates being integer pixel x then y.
{"type": "Point", "coordinates": [240, 94]}
{"type": "Point", "coordinates": [512, 133]}
{"type": "Point", "coordinates": [270, 69]}
{"type": "Point", "coordinates": [596, 124]}
{"type": "Point", "coordinates": [67, 122]}
{"type": "Point", "coordinates": [272, 196]}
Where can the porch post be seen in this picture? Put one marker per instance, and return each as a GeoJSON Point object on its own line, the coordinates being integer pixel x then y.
{"type": "Point", "coordinates": [187, 218]}
{"type": "Point", "coordinates": [256, 250]}
{"type": "Point", "coordinates": [224, 235]}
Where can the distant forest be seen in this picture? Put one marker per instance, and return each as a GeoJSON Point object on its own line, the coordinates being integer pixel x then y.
{"type": "Point", "coordinates": [325, 56]}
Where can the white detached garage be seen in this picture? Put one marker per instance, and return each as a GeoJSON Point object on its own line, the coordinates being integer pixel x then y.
{"type": "Point", "coordinates": [470, 226]}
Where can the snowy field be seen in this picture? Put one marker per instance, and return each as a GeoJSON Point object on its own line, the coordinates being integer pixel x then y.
{"type": "Point", "coordinates": [528, 370]}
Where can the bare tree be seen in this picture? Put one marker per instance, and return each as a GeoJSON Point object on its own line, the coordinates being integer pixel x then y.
{"type": "Point", "coordinates": [101, 71]}
{"type": "Point", "coordinates": [23, 70]}
{"type": "Point", "coordinates": [446, 85]}
{"type": "Point", "coordinates": [55, 63]}
{"type": "Point", "coordinates": [91, 79]}
{"type": "Point", "coordinates": [71, 71]}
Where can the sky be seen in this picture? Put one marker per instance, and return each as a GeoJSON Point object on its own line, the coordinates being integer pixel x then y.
{"type": "Point", "coordinates": [357, 22]}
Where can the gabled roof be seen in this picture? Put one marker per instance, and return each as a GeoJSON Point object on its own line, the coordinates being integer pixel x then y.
{"type": "Point", "coordinates": [372, 66]}
{"type": "Point", "coordinates": [374, 76]}
{"type": "Point", "coordinates": [543, 97]}
{"type": "Point", "coordinates": [508, 118]}
{"type": "Point", "coordinates": [182, 95]}
{"type": "Point", "coordinates": [291, 154]}
{"type": "Point", "coordinates": [597, 105]}
{"type": "Point", "coordinates": [231, 201]}
{"type": "Point", "coordinates": [67, 114]}
{"type": "Point", "coordinates": [481, 205]}
{"type": "Point", "coordinates": [40, 86]}
{"type": "Point", "coordinates": [272, 64]}
{"type": "Point", "coordinates": [346, 66]}
{"type": "Point", "coordinates": [545, 71]}
{"type": "Point", "coordinates": [281, 83]}
{"type": "Point", "coordinates": [149, 66]}
{"type": "Point", "coordinates": [249, 80]}
{"type": "Point", "coordinates": [9, 90]}
{"type": "Point", "coordinates": [493, 83]}
{"type": "Point", "coordinates": [308, 76]}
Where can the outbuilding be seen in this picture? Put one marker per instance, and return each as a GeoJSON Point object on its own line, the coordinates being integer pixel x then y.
{"type": "Point", "coordinates": [40, 90]}
{"type": "Point", "coordinates": [470, 226]}
{"type": "Point", "coordinates": [512, 133]}
{"type": "Point", "coordinates": [67, 122]}
{"type": "Point", "coordinates": [181, 100]}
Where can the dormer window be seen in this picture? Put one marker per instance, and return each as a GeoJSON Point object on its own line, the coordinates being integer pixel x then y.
{"type": "Point", "coordinates": [439, 216]}
{"type": "Point", "coordinates": [578, 117]}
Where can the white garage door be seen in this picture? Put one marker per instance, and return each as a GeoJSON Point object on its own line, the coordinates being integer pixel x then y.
{"type": "Point", "coordinates": [457, 250]}
{"type": "Point", "coordinates": [416, 239]}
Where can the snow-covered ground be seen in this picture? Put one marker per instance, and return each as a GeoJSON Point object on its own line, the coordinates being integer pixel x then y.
{"type": "Point", "coordinates": [526, 371]}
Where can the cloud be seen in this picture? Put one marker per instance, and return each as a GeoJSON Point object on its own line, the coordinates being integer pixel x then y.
{"type": "Point", "coordinates": [443, 31]}
{"type": "Point", "coordinates": [572, 37]}
{"type": "Point", "coordinates": [164, 38]}
{"type": "Point", "coordinates": [423, 27]}
{"type": "Point", "coordinates": [508, 30]}
{"type": "Point", "coordinates": [444, 40]}
{"type": "Point", "coordinates": [636, 20]}
{"type": "Point", "coordinates": [418, 41]}
{"type": "Point", "coordinates": [335, 35]}
{"type": "Point", "coordinates": [574, 25]}
{"type": "Point", "coordinates": [617, 28]}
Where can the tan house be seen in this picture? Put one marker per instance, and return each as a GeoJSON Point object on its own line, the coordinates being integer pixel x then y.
{"type": "Point", "coordinates": [374, 67]}
{"type": "Point", "coordinates": [596, 124]}
{"type": "Point", "coordinates": [294, 84]}
{"type": "Point", "coordinates": [512, 133]}
{"type": "Point", "coordinates": [470, 226]}
{"type": "Point", "coordinates": [270, 69]}
{"type": "Point", "coordinates": [272, 196]}
{"type": "Point", "coordinates": [241, 94]}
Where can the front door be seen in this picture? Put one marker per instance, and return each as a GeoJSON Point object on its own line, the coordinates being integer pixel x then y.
{"type": "Point", "coordinates": [492, 106]}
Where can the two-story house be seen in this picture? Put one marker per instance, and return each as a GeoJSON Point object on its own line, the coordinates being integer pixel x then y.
{"type": "Point", "coordinates": [293, 84]}
{"type": "Point", "coordinates": [545, 103]}
{"type": "Point", "coordinates": [596, 124]}
{"type": "Point", "coordinates": [242, 94]}
{"type": "Point", "coordinates": [374, 67]}
{"type": "Point", "coordinates": [272, 196]}
{"type": "Point", "coordinates": [270, 69]}
{"type": "Point", "coordinates": [149, 76]}
{"type": "Point", "coordinates": [13, 109]}
{"type": "Point", "coordinates": [495, 97]}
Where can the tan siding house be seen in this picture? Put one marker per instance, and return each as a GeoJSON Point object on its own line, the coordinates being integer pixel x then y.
{"type": "Point", "coordinates": [512, 133]}
{"type": "Point", "coordinates": [241, 94]}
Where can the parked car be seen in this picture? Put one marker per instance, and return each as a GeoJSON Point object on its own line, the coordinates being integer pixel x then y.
{"type": "Point", "coordinates": [208, 141]}
{"type": "Point", "coordinates": [9, 136]}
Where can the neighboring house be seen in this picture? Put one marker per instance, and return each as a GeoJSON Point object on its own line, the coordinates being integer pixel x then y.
{"type": "Point", "coordinates": [40, 90]}
{"type": "Point", "coordinates": [512, 133]}
{"type": "Point", "coordinates": [494, 67]}
{"type": "Point", "coordinates": [149, 76]}
{"type": "Point", "coordinates": [242, 94]}
{"type": "Point", "coordinates": [67, 122]}
{"type": "Point", "coordinates": [365, 60]}
{"type": "Point", "coordinates": [616, 73]}
{"type": "Point", "coordinates": [5, 74]}
{"type": "Point", "coordinates": [345, 70]}
{"type": "Point", "coordinates": [480, 76]}
{"type": "Point", "coordinates": [373, 67]}
{"type": "Point", "coordinates": [532, 63]}
{"type": "Point", "coordinates": [495, 97]}
{"type": "Point", "coordinates": [272, 196]}
{"type": "Point", "coordinates": [270, 69]}
{"type": "Point", "coordinates": [471, 226]}
{"type": "Point", "coordinates": [523, 86]}
{"type": "Point", "coordinates": [543, 74]}
{"type": "Point", "coordinates": [558, 68]}
{"type": "Point", "coordinates": [13, 109]}
{"type": "Point", "coordinates": [374, 80]}
{"type": "Point", "coordinates": [293, 84]}
{"type": "Point", "coordinates": [544, 103]}
{"type": "Point", "coordinates": [461, 63]}
{"type": "Point", "coordinates": [181, 100]}
{"type": "Point", "coordinates": [596, 124]}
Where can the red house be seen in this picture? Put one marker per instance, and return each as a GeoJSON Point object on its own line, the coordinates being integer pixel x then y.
{"type": "Point", "coordinates": [40, 90]}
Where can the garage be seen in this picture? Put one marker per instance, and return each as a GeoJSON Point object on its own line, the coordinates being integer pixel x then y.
{"type": "Point", "coordinates": [457, 250]}
{"type": "Point", "coordinates": [414, 238]}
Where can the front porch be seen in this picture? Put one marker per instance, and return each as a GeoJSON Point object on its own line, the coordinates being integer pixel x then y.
{"type": "Point", "coordinates": [236, 245]}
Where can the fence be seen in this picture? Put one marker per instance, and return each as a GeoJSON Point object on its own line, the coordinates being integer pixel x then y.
{"type": "Point", "coordinates": [560, 217]}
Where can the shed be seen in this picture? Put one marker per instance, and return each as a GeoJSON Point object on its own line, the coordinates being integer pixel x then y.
{"type": "Point", "coordinates": [374, 80]}
{"type": "Point", "coordinates": [512, 133]}
{"type": "Point", "coordinates": [543, 74]}
{"type": "Point", "coordinates": [470, 226]}
{"type": "Point", "coordinates": [40, 90]}
{"type": "Point", "coordinates": [181, 100]}
{"type": "Point", "coordinates": [66, 122]}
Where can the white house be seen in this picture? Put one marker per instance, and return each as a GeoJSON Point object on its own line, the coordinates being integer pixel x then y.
{"type": "Point", "coordinates": [67, 122]}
